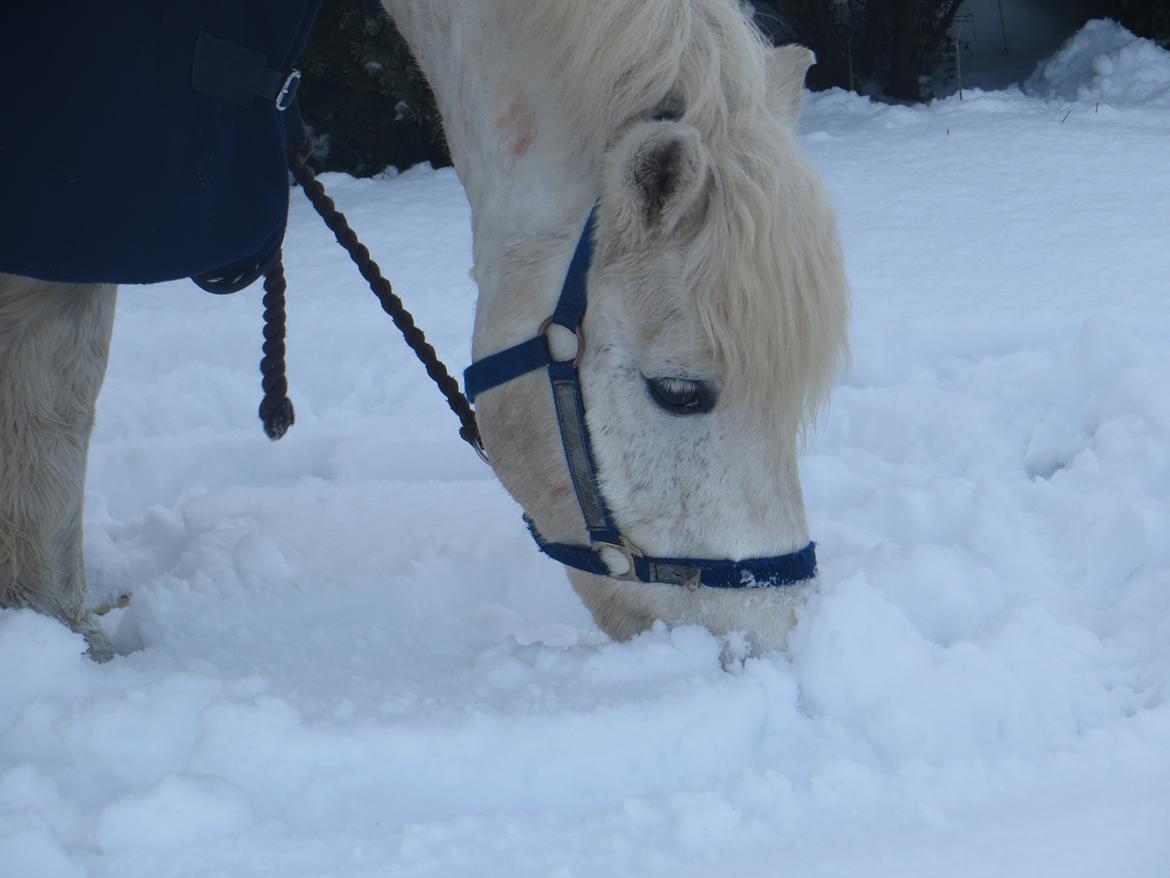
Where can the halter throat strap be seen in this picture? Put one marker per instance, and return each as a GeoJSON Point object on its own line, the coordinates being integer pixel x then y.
{"type": "Point", "coordinates": [609, 553]}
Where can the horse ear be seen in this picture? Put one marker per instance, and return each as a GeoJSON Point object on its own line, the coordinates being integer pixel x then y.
{"type": "Point", "coordinates": [786, 67]}
{"type": "Point", "coordinates": [657, 172]}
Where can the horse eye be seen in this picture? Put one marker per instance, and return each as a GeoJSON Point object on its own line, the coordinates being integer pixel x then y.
{"type": "Point", "coordinates": [682, 396]}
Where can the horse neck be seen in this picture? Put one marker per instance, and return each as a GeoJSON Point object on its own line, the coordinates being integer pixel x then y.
{"type": "Point", "coordinates": [529, 186]}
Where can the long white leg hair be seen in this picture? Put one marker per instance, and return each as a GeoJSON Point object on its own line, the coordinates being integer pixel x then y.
{"type": "Point", "coordinates": [54, 343]}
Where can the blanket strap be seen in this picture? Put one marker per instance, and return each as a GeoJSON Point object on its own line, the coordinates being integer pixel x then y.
{"type": "Point", "coordinates": [237, 74]}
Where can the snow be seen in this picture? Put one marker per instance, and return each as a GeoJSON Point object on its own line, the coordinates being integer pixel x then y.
{"type": "Point", "coordinates": [345, 657]}
{"type": "Point", "coordinates": [1105, 62]}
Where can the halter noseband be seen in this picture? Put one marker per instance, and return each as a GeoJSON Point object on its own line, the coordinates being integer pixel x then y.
{"type": "Point", "coordinates": [609, 553]}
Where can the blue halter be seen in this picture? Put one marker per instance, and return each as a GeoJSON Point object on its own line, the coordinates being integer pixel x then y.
{"type": "Point", "coordinates": [500, 368]}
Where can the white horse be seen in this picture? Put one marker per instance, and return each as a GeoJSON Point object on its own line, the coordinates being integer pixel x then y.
{"type": "Point", "coordinates": [717, 303]}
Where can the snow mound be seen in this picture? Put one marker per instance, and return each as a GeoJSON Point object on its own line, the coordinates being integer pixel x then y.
{"type": "Point", "coordinates": [1105, 62]}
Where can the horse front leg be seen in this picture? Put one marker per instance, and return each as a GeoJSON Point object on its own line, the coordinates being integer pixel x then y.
{"type": "Point", "coordinates": [54, 342]}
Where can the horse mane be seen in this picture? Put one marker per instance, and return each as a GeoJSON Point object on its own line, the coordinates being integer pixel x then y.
{"type": "Point", "coordinates": [766, 266]}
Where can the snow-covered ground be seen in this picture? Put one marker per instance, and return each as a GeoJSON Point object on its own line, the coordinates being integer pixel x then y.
{"type": "Point", "coordinates": [347, 659]}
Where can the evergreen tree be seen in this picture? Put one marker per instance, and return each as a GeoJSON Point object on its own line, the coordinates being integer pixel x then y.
{"type": "Point", "coordinates": [364, 97]}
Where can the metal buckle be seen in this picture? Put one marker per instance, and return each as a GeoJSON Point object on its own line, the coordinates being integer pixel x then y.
{"type": "Point", "coordinates": [628, 551]}
{"type": "Point", "coordinates": [288, 91]}
{"type": "Point", "coordinates": [580, 336]}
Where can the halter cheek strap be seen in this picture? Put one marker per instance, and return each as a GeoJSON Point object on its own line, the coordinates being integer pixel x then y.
{"type": "Point", "coordinates": [609, 553]}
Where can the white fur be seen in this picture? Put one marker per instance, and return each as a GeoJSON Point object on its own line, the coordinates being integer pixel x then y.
{"type": "Point", "coordinates": [786, 68]}
{"type": "Point", "coordinates": [54, 341]}
{"type": "Point", "coordinates": [735, 276]}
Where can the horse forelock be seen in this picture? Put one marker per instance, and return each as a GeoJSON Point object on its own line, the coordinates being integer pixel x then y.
{"type": "Point", "coordinates": [767, 275]}
{"type": "Point", "coordinates": [765, 265]}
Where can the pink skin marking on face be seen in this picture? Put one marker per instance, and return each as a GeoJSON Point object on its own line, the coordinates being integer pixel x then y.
{"type": "Point", "coordinates": [516, 126]}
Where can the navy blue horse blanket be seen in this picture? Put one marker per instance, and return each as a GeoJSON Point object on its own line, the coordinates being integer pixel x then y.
{"type": "Point", "coordinates": [146, 140]}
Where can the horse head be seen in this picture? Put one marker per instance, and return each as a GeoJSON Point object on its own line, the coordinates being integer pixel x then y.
{"type": "Point", "coordinates": [716, 298]}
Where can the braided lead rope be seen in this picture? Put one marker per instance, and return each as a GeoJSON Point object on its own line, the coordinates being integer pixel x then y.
{"type": "Point", "coordinates": [275, 388]}
{"type": "Point", "coordinates": [276, 409]}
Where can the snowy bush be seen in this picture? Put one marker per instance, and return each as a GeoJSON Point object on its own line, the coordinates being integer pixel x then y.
{"type": "Point", "coordinates": [1105, 62]}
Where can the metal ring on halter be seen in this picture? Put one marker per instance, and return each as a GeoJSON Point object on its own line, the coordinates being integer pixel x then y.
{"type": "Point", "coordinates": [578, 334]}
{"type": "Point", "coordinates": [627, 550]}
